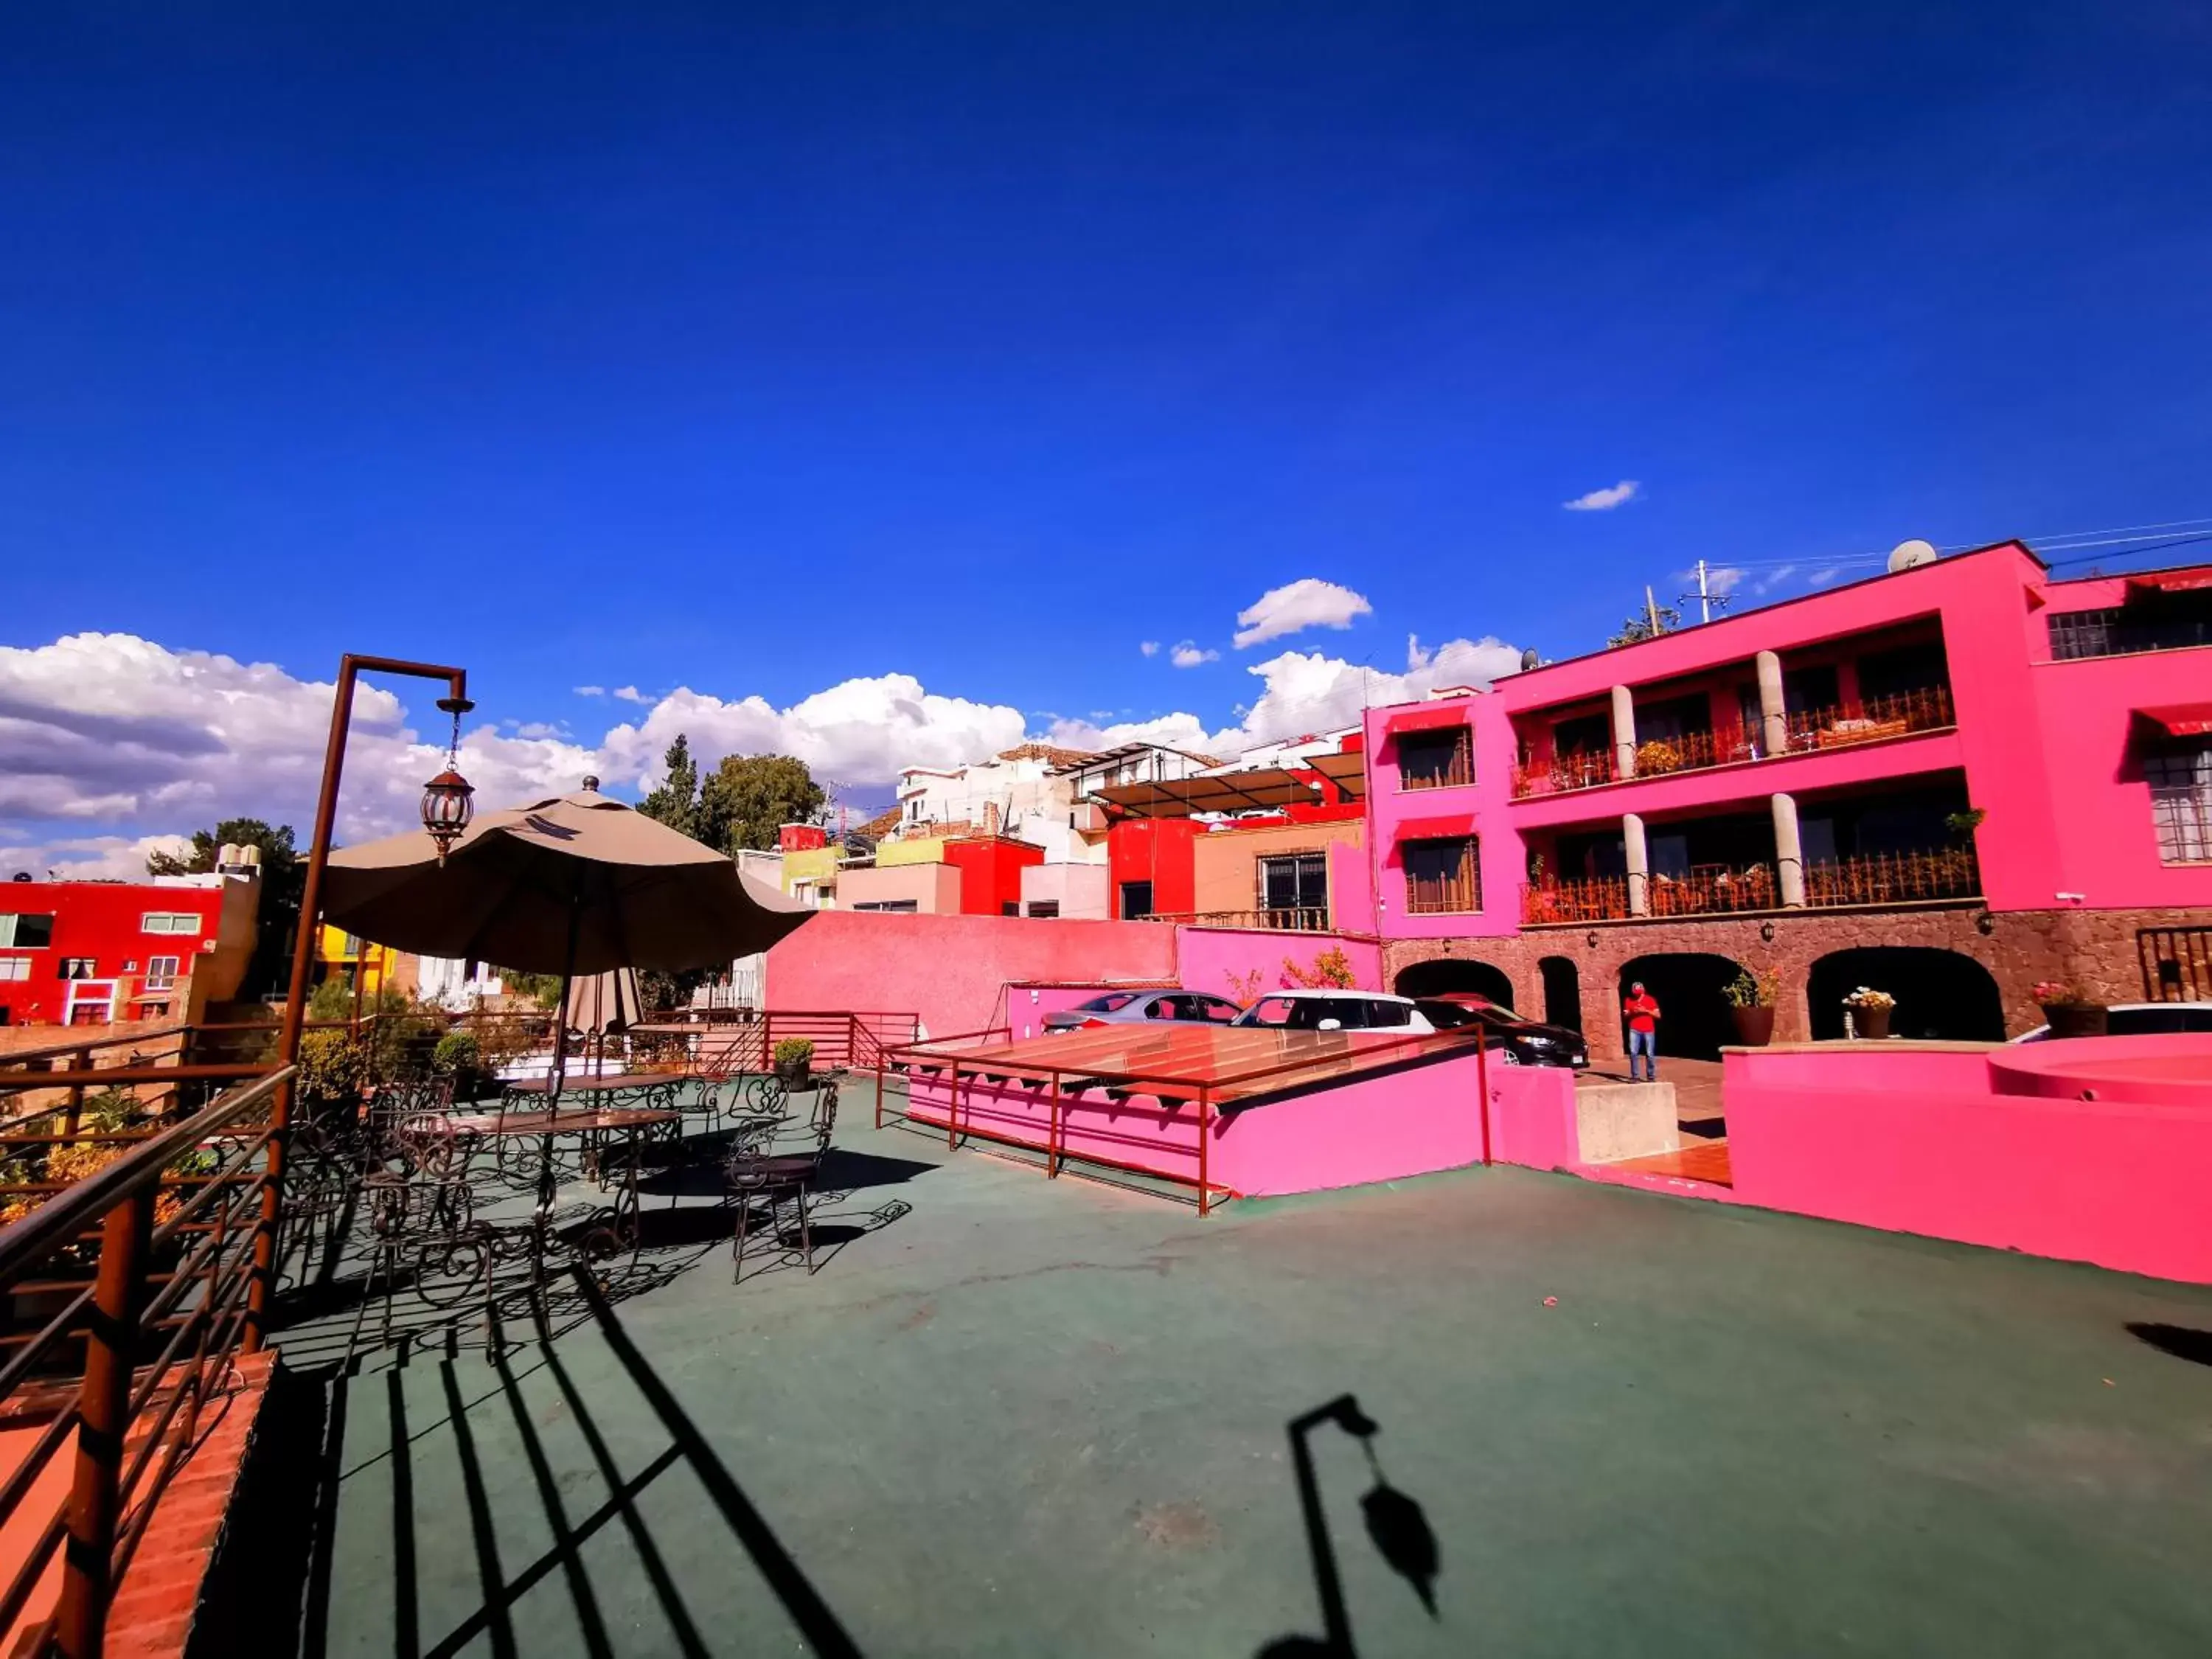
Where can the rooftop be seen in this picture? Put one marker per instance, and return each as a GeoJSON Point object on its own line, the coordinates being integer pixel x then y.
{"type": "Point", "coordinates": [1014, 1417]}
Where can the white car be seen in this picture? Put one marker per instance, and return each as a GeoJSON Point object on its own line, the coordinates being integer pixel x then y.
{"type": "Point", "coordinates": [2144, 1019]}
{"type": "Point", "coordinates": [1335, 1011]}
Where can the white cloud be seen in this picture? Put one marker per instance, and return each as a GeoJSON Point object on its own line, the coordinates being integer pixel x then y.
{"type": "Point", "coordinates": [630, 693]}
{"type": "Point", "coordinates": [589, 690]}
{"type": "Point", "coordinates": [1720, 580]}
{"type": "Point", "coordinates": [89, 858]}
{"type": "Point", "coordinates": [1822, 577]}
{"type": "Point", "coordinates": [1604, 501]}
{"type": "Point", "coordinates": [1187, 655]}
{"type": "Point", "coordinates": [1149, 647]}
{"type": "Point", "coordinates": [1309, 602]}
{"type": "Point", "coordinates": [1774, 578]}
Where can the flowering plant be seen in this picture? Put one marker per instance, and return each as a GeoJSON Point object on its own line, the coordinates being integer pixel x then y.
{"type": "Point", "coordinates": [2056, 993]}
{"type": "Point", "coordinates": [1866, 997]}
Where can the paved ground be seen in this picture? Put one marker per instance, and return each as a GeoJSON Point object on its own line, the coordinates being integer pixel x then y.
{"type": "Point", "coordinates": [1032, 1418]}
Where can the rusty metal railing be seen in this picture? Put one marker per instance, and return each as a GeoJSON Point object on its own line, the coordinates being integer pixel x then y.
{"type": "Point", "coordinates": [175, 1235]}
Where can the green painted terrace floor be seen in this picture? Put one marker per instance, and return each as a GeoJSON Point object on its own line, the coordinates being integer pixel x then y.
{"type": "Point", "coordinates": [1021, 1417]}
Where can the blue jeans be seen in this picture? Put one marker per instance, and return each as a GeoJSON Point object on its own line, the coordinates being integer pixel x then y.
{"type": "Point", "coordinates": [1647, 1045]}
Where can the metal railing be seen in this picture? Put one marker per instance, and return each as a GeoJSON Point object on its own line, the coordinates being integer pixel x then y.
{"type": "Point", "coordinates": [956, 1054]}
{"type": "Point", "coordinates": [180, 1238]}
{"type": "Point", "coordinates": [2077, 635]}
{"type": "Point", "coordinates": [1871, 879]}
{"type": "Point", "coordinates": [1836, 727]}
{"type": "Point", "coordinates": [1303, 918]}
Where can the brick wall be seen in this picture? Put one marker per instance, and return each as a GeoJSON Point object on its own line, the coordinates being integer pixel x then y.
{"type": "Point", "coordinates": [2094, 949]}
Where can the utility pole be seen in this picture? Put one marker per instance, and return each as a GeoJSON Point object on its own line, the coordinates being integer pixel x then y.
{"type": "Point", "coordinates": [1652, 610]}
{"type": "Point", "coordinates": [1704, 599]}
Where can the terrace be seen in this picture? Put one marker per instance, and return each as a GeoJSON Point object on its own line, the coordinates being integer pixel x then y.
{"type": "Point", "coordinates": [1865, 879]}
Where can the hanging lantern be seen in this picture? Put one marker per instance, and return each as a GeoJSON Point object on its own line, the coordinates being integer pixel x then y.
{"type": "Point", "coordinates": [449, 802]}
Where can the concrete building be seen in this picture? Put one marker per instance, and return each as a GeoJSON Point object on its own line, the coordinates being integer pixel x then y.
{"type": "Point", "coordinates": [1948, 782]}
{"type": "Point", "coordinates": [96, 953]}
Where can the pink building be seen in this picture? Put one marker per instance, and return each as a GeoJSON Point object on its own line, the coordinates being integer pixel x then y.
{"type": "Point", "coordinates": [1950, 781]}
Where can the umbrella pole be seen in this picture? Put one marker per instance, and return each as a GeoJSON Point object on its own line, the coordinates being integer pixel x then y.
{"type": "Point", "coordinates": [561, 1021]}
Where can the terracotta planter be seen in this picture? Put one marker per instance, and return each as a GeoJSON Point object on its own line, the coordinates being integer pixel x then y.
{"type": "Point", "coordinates": [1754, 1027]}
{"type": "Point", "coordinates": [2074, 1019]}
{"type": "Point", "coordinates": [1873, 1022]}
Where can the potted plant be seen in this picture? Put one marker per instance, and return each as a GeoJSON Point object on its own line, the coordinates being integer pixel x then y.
{"type": "Point", "coordinates": [1870, 1012]}
{"type": "Point", "coordinates": [2068, 1012]}
{"type": "Point", "coordinates": [1751, 999]}
{"type": "Point", "coordinates": [1657, 756]}
{"type": "Point", "coordinates": [793, 1056]}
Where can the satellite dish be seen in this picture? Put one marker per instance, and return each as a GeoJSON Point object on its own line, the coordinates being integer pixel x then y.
{"type": "Point", "coordinates": [1907, 556]}
{"type": "Point", "coordinates": [1529, 660]}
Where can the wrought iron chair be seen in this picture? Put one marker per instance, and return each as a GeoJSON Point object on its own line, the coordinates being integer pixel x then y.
{"type": "Point", "coordinates": [757, 1173]}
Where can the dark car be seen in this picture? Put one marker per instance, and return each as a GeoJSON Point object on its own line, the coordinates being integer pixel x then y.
{"type": "Point", "coordinates": [1133, 1008]}
{"type": "Point", "coordinates": [1522, 1042]}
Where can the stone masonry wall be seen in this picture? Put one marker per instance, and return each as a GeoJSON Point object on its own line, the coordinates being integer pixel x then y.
{"type": "Point", "coordinates": [2096, 950]}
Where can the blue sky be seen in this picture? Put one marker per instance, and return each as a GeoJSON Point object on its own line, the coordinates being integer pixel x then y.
{"type": "Point", "coordinates": [726, 349]}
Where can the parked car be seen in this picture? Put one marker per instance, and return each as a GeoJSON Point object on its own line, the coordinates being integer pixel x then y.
{"type": "Point", "coordinates": [1524, 1041]}
{"type": "Point", "coordinates": [1336, 1011]}
{"type": "Point", "coordinates": [1133, 1008]}
{"type": "Point", "coordinates": [2144, 1019]}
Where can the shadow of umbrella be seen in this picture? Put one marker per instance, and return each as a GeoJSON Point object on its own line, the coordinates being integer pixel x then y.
{"type": "Point", "coordinates": [1396, 1525]}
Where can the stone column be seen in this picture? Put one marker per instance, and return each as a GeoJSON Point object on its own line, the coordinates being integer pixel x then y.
{"type": "Point", "coordinates": [1774, 711]}
{"type": "Point", "coordinates": [1639, 864]}
{"type": "Point", "coordinates": [1789, 853]}
{"type": "Point", "coordinates": [1623, 732]}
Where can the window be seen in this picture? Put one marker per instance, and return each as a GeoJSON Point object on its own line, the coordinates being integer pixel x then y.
{"type": "Point", "coordinates": [169, 921]}
{"type": "Point", "coordinates": [27, 932]}
{"type": "Point", "coordinates": [15, 966]}
{"type": "Point", "coordinates": [75, 968]}
{"type": "Point", "coordinates": [1044, 907]}
{"type": "Point", "coordinates": [1298, 882]}
{"type": "Point", "coordinates": [897, 907]}
{"type": "Point", "coordinates": [161, 973]}
{"type": "Point", "coordinates": [1136, 900]}
{"type": "Point", "coordinates": [1309, 1013]}
{"type": "Point", "coordinates": [2181, 804]}
{"type": "Point", "coordinates": [1435, 760]}
{"type": "Point", "coordinates": [1442, 876]}
{"type": "Point", "coordinates": [1382, 1014]}
{"type": "Point", "coordinates": [1009, 907]}
{"type": "Point", "coordinates": [1107, 1003]}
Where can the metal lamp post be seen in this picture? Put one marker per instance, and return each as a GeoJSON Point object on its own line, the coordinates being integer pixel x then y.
{"type": "Point", "coordinates": [448, 807]}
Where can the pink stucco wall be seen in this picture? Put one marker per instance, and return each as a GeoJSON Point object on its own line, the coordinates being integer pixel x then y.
{"type": "Point", "coordinates": [1895, 1141]}
{"type": "Point", "coordinates": [1502, 859]}
{"type": "Point", "coordinates": [1207, 957]}
{"type": "Point", "coordinates": [950, 969]}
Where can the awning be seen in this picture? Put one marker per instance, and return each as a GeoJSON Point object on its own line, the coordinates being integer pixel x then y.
{"type": "Point", "coordinates": [1426, 717]}
{"type": "Point", "coordinates": [1448, 827]}
{"type": "Point", "coordinates": [1213, 792]}
{"type": "Point", "coordinates": [1347, 772]}
{"type": "Point", "coordinates": [2181, 720]}
{"type": "Point", "coordinates": [2173, 581]}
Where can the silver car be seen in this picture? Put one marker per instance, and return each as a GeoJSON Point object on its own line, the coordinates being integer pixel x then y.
{"type": "Point", "coordinates": [1133, 1008]}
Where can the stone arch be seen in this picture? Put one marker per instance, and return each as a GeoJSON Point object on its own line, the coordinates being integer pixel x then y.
{"type": "Point", "coordinates": [1563, 992]}
{"type": "Point", "coordinates": [1440, 974]}
{"type": "Point", "coordinates": [1940, 994]}
{"type": "Point", "coordinates": [1694, 1019]}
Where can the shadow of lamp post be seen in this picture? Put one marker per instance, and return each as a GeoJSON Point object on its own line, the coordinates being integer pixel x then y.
{"type": "Point", "coordinates": [1396, 1523]}
{"type": "Point", "coordinates": [447, 806]}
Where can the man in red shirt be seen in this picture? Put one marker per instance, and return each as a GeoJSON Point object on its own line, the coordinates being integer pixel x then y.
{"type": "Point", "coordinates": [1641, 1009]}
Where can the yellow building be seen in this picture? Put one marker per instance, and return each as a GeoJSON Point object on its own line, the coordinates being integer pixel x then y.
{"type": "Point", "coordinates": [341, 955]}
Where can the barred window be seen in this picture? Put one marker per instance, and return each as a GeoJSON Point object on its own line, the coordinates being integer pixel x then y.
{"type": "Point", "coordinates": [2181, 804]}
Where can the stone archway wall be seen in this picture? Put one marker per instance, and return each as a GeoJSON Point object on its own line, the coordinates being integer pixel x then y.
{"type": "Point", "coordinates": [2095, 950]}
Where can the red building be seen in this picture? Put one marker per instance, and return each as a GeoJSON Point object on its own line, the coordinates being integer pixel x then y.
{"type": "Point", "coordinates": [990, 869]}
{"type": "Point", "coordinates": [91, 952]}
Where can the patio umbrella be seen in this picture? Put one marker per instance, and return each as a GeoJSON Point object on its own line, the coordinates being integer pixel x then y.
{"type": "Point", "coordinates": [571, 884]}
{"type": "Point", "coordinates": [599, 1004]}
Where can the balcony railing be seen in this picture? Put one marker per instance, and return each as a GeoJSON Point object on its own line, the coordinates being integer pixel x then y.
{"type": "Point", "coordinates": [1442, 896]}
{"type": "Point", "coordinates": [1867, 878]}
{"type": "Point", "coordinates": [1845, 724]}
{"type": "Point", "coordinates": [1834, 728]}
{"type": "Point", "coordinates": [2077, 635]}
{"type": "Point", "coordinates": [1306, 919]}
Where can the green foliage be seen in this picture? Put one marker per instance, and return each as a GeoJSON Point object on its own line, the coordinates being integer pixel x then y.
{"type": "Point", "coordinates": [456, 1053]}
{"type": "Point", "coordinates": [676, 803]}
{"type": "Point", "coordinates": [333, 1000]}
{"type": "Point", "coordinates": [793, 1051]}
{"type": "Point", "coordinates": [748, 797]}
{"type": "Point", "coordinates": [283, 875]}
{"type": "Point", "coordinates": [332, 1068]}
{"type": "Point", "coordinates": [1637, 629]}
{"type": "Point", "coordinates": [544, 989]}
{"type": "Point", "coordinates": [1749, 990]}
{"type": "Point", "coordinates": [109, 1110]}
{"type": "Point", "coordinates": [1963, 825]}
{"type": "Point", "coordinates": [1330, 970]}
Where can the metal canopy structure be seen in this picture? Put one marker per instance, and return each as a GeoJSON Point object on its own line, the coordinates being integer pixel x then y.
{"type": "Point", "coordinates": [1347, 772]}
{"type": "Point", "coordinates": [1267, 790]}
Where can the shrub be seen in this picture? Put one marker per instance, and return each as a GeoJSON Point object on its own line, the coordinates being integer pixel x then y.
{"type": "Point", "coordinates": [332, 1068]}
{"type": "Point", "coordinates": [1750, 990]}
{"type": "Point", "coordinates": [793, 1051]}
{"type": "Point", "coordinates": [2057, 994]}
{"type": "Point", "coordinates": [1331, 970]}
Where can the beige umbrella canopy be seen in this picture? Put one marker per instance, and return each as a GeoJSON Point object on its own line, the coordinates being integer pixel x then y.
{"type": "Point", "coordinates": [604, 1002]}
{"type": "Point", "coordinates": [575, 884]}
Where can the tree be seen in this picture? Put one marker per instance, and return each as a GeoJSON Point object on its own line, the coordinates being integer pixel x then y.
{"type": "Point", "coordinates": [283, 877]}
{"type": "Point", "coordinates": [1637, 629]}
{"type": "Point", "coordinates": [748, 797]}
{"type": "Point", "coordinates": [676, 803]}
